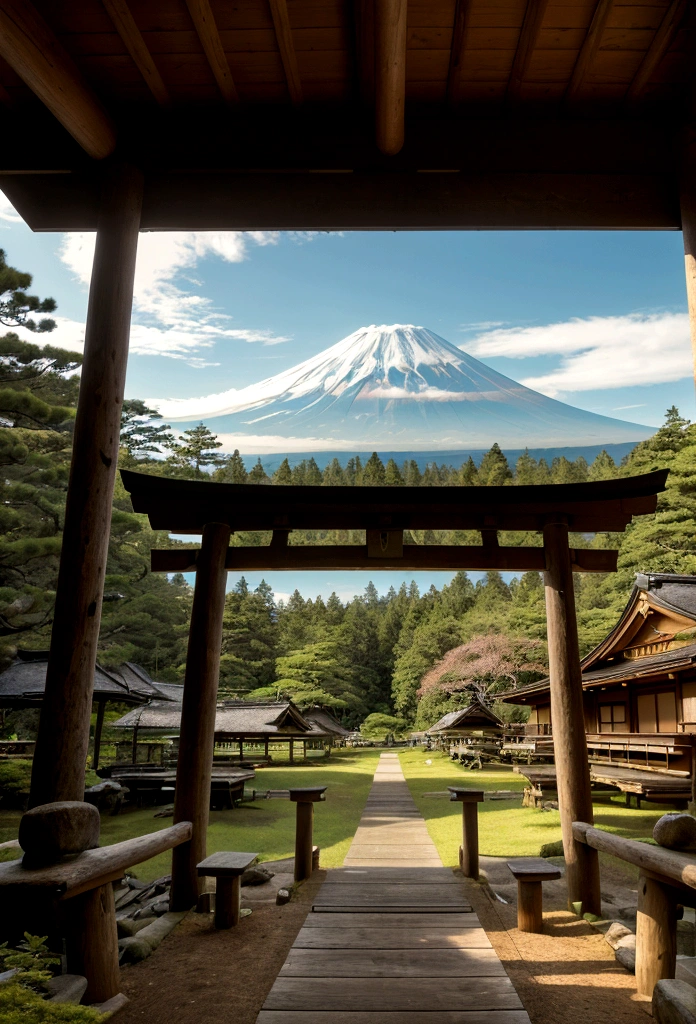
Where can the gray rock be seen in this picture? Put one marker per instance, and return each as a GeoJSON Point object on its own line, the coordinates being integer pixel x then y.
{"type": "Point", "coordinates": [6, 976]}
{"type": "Point", "coordinates": [627, 959]}
{"type": "Point", "coordinates": [674, 1002]}
{"type": "Point", "coordinates": [141, 945]}
{"type": "Point", "coordinates": [627, 942]}
{"type": "Point", "coordinates": [615, 933]}
{"type": "Point", "coordinates": [256, 876]}
{"type": "Point", "coordinates": [282, 897]}
{"type": "Point", "coordinates": [675, 831]}
{"type": "Point", "coordinates": [128, 927]}
{"type": "Point", "coordinates": [48, 832]}
{"type": "Point", "coordinates": [66, 988]}
{"type": "Point", "coordinates": [686, 938]}
{"type": "Point", "coordinates": [133, 949]}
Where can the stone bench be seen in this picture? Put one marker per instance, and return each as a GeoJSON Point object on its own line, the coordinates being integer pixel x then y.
{"type": "Point", "coordinates": [529, 873]}
{"type": "Point", "coordinates": [227, 869]}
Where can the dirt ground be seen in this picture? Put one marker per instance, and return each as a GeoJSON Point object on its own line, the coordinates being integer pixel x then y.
{"type": "Point", "coordinates": [200, 975]}
{"type": "Point", "coordinates": [568, 974]}
{"type": "Point", "coordinates": [565, 976]}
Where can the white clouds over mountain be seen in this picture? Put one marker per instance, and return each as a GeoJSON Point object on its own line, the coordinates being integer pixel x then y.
{"type": "Point", "coordinates": [597, 352]}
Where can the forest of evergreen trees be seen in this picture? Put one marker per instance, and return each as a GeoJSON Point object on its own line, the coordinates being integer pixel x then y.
{"type": "Point", "coordinates": [363, 657]}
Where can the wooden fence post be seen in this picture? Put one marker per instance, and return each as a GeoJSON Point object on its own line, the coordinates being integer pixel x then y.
{"type": "Point", "coordinates": [469, 850]}
{"type": "Point", "coordinates": [656, 935]}
{"type": "Point", "coordinates": [305, 798]}
{"type": "Point", "coordinates": [197, 735]}
{"type": "Point", "coordinates": [63, 735]}
{"type": "Point", "coordinates": [568, 720]}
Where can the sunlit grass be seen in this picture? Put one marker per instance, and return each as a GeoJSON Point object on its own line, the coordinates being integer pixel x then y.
{"type": "Point", "coordinates": [506, 829]}
{"type": "Point", "coordinates": [265, 826]}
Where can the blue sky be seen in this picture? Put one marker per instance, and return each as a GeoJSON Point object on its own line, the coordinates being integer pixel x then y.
{"type": "Point", "coordinates": [594, 319]}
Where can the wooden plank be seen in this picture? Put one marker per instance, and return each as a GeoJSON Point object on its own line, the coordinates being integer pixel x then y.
{"type": "Point", "coordinates": [120, 14]}
{"type": "Point", "coordinates": [377, 876]}
{"type": "Point", "coordinates": [656, 51]}
{"type": "Point", "coordinates": [373, 962]}
{"type": "Point", "coordinates": [589, 49]}
{"type": "Point", "coordinates": [390, 74]}
{"type": "Point", "coordinates": [414, 557]}
{"type": "Point", "coordinates": [681, 867]}
{"type": "Point", "coordinates": [407, 922]}
{"type": "Point", "coordinates": [204, 22]}
{"type": "Point", "coordinates": [378, 994]}
{"type": "Point", "coordinates": [384, 908]}
{"type": "Point", "coordinates": [281, 22]}
{"type": "Point", "coordinates": [528, 39]}
{"type": "Point", "coordinates": [393, 1017]}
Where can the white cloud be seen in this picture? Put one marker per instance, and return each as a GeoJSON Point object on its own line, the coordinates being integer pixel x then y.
{"type": "Point", "coordinates": [598, 352]}
{"type": "Point", "coordinates": [168, 319]}
{"type": "Point", "coordinates": [7, 211]}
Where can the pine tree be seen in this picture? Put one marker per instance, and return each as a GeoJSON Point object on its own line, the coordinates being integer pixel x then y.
{"type": "Point", "coordinates": [525, 469]}
{"type": "Point", "coordinates": [232, 471]}
{"type": "Point", "coordinates": [196, 450]}
{"type": "Point", "coordinates": [333, 475]}
{"type": "Point", "coordinates": [313, 476]}
{"type": "Point", "coordinates": [392, 475]}
{"type": "Point", "coordinates": [373, 474]}
{"type": "Point", "coordinates": [468, 474]}
{"type": "Point", "coordinates": [603, 467]}
{"type": "Point", "coordinates": [494, 469]}
{"type": "Point", "coordinates": [16, 305]}
{"type": "Point", "coordinates": [283, 474]}
{"type": "Point", "coordinates": [412, 474]}
{"type": "Point", "coordinates": [141, 436]}
{"type": "Point", "coordinates": [257, 474]}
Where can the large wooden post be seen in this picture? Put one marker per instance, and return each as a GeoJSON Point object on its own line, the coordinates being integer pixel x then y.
{"type": "Point", "coordinates": [656, 934]}
{"type": "Point", "coordinates": [568, 721]}
{"type": "Point", "coordinates": [98, 727]}
{"type": "Point", "coordinates": [197, 735]}
{"type": "Point", "coordinates": [63, 735]}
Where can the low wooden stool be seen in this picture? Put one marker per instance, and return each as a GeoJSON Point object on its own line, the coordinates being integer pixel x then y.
{"type": "Point", "coordinates": [530, 872]}
{"type": "Point", "coordinates": [227, 868]}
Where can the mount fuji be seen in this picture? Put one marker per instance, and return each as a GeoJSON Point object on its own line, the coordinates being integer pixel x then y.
{"type": "Point", "coordinates": [398, 387]}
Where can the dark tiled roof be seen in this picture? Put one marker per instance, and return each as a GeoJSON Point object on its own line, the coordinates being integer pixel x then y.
{"type": "Point", "coordinates": [232, 718]}
{"type": "Point", "coordinates": [25, 681]}
{"type": "Point", "coordinates": [472, 715]}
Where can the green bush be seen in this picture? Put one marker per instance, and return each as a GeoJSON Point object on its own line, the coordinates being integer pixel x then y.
{"type": "Point", "coordinates": [19, 1005]}
{"type": "Point", "coordinates": [15, 776]}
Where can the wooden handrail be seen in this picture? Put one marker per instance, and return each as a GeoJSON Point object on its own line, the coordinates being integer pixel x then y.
{"type": "Point", "coordinates": [94, 867]}
{"type": "Point", "coordinates": [680, 867]}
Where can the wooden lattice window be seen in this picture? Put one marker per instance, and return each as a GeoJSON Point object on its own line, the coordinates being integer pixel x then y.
{"type": "Point", "coordinates": [613, 718]}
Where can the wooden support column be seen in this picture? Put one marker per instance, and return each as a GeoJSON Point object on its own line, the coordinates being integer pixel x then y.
{"type": "Point", "coordinates": [568, 721]}
{"type": "Point", "coordinates": [656, 935]}
{"type": "Point", "coordinates": [688, 214]}
{"type": "Point", "coordinates": [63, 735]}
{"type": "Point", "coordinates": [98, 726]}
{"type": "Point", "coordinates": [92, 942]}
{"type": "Point", "coordinates": [305, 798]}
{"type": "Point", "coordinates": [390, 74]}
{"type": "Point", "coordinates": [469, 850]}
{"type": "Point", "coordinates": [197, 736]}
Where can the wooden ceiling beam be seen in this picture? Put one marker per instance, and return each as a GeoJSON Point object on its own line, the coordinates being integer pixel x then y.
{"type": "Point", "coordinates": [656, 51]}
{"type": "Point", "coordinates": [365, 49]}
{"type": "Point", "coordinates": [31, 48]}
{"type": "Point", "coordinates": [281, 23]}
{"type": "Point", "coordinates": [124, 23]}
{"type": "Point", "coordinates": [460, 39]}
{"type": "Point", "coordinates": [526, 44]}
{"type": "Point", "coordinates": [204, 23]}
{"type": "Point", "coordinates": [390, 74]}
{"type": "Point", "coordinates": [589, 49]}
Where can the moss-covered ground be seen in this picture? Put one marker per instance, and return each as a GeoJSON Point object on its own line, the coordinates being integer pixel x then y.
{"type": "Point", "coordinates": [263, 826]}
{"type": "Point", "coordinates": [506, 829]}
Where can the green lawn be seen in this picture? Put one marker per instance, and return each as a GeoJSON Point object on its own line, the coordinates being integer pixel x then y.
{"type": "Point", "coordinates": [266, 826]}
{"type": "Point", "coordinates": [506, 829]}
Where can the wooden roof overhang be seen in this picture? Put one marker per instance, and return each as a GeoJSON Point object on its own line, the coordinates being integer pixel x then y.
{"type": "Point", "coordinates": [184, 506]}
{"type": "Point", "coordinates": [350, 114]}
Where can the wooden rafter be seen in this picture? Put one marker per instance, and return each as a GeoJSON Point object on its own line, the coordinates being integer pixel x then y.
{"type": "Point", "coordinates": [281, 22]}
{"type": "Point", "coordinates": [460, 37]}
{"type": "Point", "coordinates": [390, 74]}
{"type": "Point", "coordinates": [31, 48]}
{"type": "Point", "coordinates": [124, 23]}
{"type": "Point", "coordinates": [526, 44]}
{"type": "Point", "coordinates": [656, 51]}
{"type": "Point", "coordinates": [589, 49]}
{"type": "Point", "coordinates": [204, 23]}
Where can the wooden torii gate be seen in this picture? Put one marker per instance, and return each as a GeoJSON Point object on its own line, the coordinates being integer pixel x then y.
{"type": "Point", "coordinates": [217, 510]}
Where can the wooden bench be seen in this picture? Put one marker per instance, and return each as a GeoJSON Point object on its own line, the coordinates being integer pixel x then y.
{"type": "Point", "coordinates": [227, 868]}
{"type": "Point", "coordinates": [530, 872]}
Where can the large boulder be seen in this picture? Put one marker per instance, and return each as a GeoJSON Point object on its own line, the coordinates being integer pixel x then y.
{"type": "Point", "coordinates": [674, 1002]}
{"type": "Point", "coordinates": [676, 831]}
{"type": "Point", "coordinates": [49, 832]}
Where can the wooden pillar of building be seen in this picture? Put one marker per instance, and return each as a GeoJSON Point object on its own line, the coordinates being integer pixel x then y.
{"type": "Point", "coordinates": [688, 216]}
{"type": "Point", "coordinates": [63, 735]}
{"type": "Point", "coordinates": [98, 727]}
{"type": "Point", "coordinates": [197, 735]}
{"type": "Point", "coordinates": [241, 749]}
{"type": "Point", "coordinates": [291, 752]}
{"type": "Point", "coordinates": [656, 934]}
{"type": "Point", "coordinates": [568, 720]}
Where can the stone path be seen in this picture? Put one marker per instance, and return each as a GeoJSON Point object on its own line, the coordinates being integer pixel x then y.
{"type": "Point", "coordinates": [391, 938]}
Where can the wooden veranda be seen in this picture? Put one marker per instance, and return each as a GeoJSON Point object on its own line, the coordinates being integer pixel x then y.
{"type": "Point", "coordinates": [331, 114]}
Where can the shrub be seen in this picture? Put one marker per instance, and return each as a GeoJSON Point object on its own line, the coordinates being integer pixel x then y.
{"type": "Point", "coordinates": [19, 1005]}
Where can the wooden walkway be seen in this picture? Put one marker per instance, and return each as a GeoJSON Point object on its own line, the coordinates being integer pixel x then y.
{"type": "Point", "coordinates": [391, 938]}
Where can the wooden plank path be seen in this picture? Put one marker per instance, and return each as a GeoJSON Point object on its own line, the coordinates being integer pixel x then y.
{"type": "Point", "coordinates": [391, 938]}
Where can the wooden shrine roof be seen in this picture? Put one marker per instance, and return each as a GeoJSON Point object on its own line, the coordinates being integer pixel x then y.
{"type": "Point", "coordinates": [185, 506]}
{"type": "Point", "coordinates": [292, 113]}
